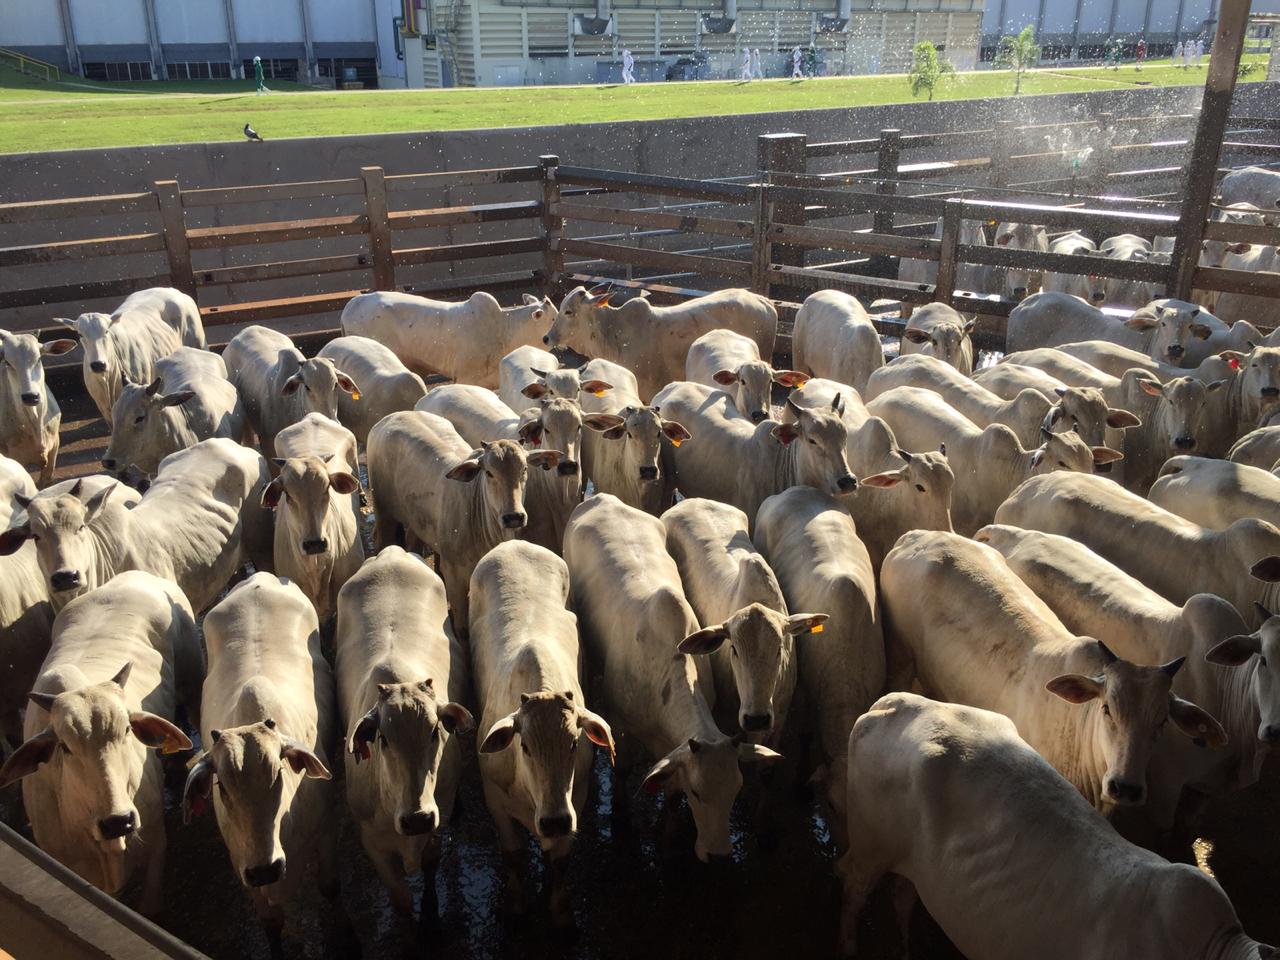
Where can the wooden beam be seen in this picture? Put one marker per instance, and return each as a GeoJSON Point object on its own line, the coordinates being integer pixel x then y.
{"type": "Point", "coordinates": [78, 292]}
{"type": "Point", "coordinates": [250, 234]}
{"type": "Point", "coordinates": [464, 178]}
{"type": "Point", "coordinates": [375, 211]}
{"type": "Point", "coordinates": [270, 192]}
{"type": "Point", "coordinates": [103, 206]}
{"type": "Point", "coordinates": [470, 251]}
{"type": "Point", "coordinates": [259, 310]}
{"type": "Point", "coordinates": [472, 213]}
{"type": "Point", "coordinates": [174, 224]}
{"type": "Point", "coordinates": [659, 186]}
{"type": "Point", "coordinates": [552, 221]}
{"type": "Point", "coordinates": [282, 269]}
{"type": "Point", "coordinates": [856, 241]}
{"type": "Point", "coordinates": [80, 249]}
{"type": "Point", "coordinates": [945, 285]}
{"type": "Point", "coordinates": [655, 220]}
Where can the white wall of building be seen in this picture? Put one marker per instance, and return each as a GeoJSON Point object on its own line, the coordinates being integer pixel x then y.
{"type": "Point", "coordinates": [347, 21]}
{"type": "Point", "coordinates": [191, 21]}
{"type": "Point", "coordinates": [277, 21]}
{"type": "Point", "coordinates": [119, 21]}
{"type": "Point", "coordinates": [391, 70]}
{"type": "Point", "coordinates": [30, 23]}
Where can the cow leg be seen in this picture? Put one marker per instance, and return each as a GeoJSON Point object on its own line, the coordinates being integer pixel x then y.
{"type": "Point", "coordinates": [509, 842]}
{"type": "Point", "coordinates": [153, 880]}
{"type": "Point", "coordinates": [272, 920]}
{"type": "Point", "coordinates": [50, 464]}
{"type": "Point", "coordinates": [327, 881]}
{"type": "Point", "coordinates": [905, 898]}
{"type": "Point", "coordinates": [858, 880]}
{"type": "Point", "coordinates": [557, 869]}
{"type": "Point", "coordinates": [455, 587]}
{"type": "Point", "coordinates": [386, 861]}
{"type": "Point", "coordinates": [429, 908]}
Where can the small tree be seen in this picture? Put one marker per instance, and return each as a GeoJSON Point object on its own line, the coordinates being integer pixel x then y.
{"type": "Point", "coordinates": [927, 69]}
{"type": "Point", "coordinates": [1019, 54]}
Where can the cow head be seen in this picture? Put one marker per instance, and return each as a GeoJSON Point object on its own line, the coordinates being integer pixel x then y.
{"type": "Point", "coordinates": [816, 438]}
{"type": "Point", "coordinates": [1260, 376]}
{"type": "Point", "coordinates": [302, 495]}
{"type": "Point", "coordinates": [62, 524]}
{"type": "Point", "coordinates": [318, 381]}
{"type": "Point", "coordinates": [1084, 410]}
{"type": "Point", "coordinates": [947, 341]}
{"type": "Point", "coordinates": [549, 727]}
{"type": "Point", "coordinates": [760, 649]}
{"type": "Point", "coordinates": [564, 382]}
{"type": "Point", "coordinates": [501, 468]}
{"type": "Point", "coordinates": [94, 330]}
{"type": "Point", "coordinates": [641, 431]}
{"type": "Point", "coordinates": [1181, 417]}
{"type": "Point", "coordinates": [1133, 704]}
{"type": "Point", "coordinates": [1260, 651]}
{"type": "Point", "coordinates": [751, 386]}
{"type": "Point", "coordinates": [707, 772]}
{"type": "Point", "coordinates": [140, 435]}
{"type": "Point", "coordinates": [90, 749]}
{"type": "Point", "coordinates": [1021, 236]}
{"type": "Point", "coordinates": [258, 770]}
{"type": "Point", "coordinates": [404, 735]}
{"type": "Point", "coordinates": [555, 425]}
{"type": "Point", "coordinates": [1172, 324]}
{"type": "Point", "coordinates": [21, 370]}
{"type": "Point", "coordinates": [928, 480]}
{"type": "Point", "coordinates": [1067, 451]}
{"type": "Point", "coordinates": [577, 324]}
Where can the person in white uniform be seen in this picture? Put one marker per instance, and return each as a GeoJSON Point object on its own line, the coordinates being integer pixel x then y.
{"type": "Point", "coordinates": [757, 71]}
{"type": "Point", "coordinates": [746, 65]}
{"type": "Point", "coordinates": [1177, 52]}
{"type": "Point", "coordinates": [1199, 50]}
{"type": "Point", "coordinates": [797, 58]}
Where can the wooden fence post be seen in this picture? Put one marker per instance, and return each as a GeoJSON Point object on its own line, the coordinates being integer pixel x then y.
{"type": "Point", "coordinates": [761, 245]}
{"type": "Point", "coordinates": [173, 225]}
{"type": "Point", "coordinates": [552, 225]}
{"type": "Point", "coordinates": [1001, 150]}
{"type": "Point", "coordinates": [888, 156]}
{"type": "Point", "coordinates": [951, 216]}
{"type": "Point", "coordinates": [375, 209]}
{"type": "Point", "coordinates": [784, 153]}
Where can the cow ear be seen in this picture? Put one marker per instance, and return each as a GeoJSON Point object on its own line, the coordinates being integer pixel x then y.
{"type": "Point", "coordinates": [529, 299]}
{"type": "Point", "coordinates": [346, 384]}
{"type": "Point", "coordinates": [56, 348]}
{"type": "Point", "coordinates": [27, 758]}
{"type": "Point", "coordinates": [1151, 388]}
{"type": "Point", "coordinates": [598, 732]}
{"type": "Point", "coordinates": [535, 391]}
{"type": "Point", "coordinates": [1075, 688]}
{"type": "Point", "coordinates": [1234, 651]}
{"type": "Point", "coordinates": [195, 792]}
{"type": "Point", "coordinates": [122, 675]}
{"type": "Point", "coordinates": [784, 433]}
{"type": "Point", "coordinates": [725, 377]}
{"type": "Point", "coordinates": [1201, 331]}
{"type": "Point", "coordinates": [675, 432]}
{"type": "Point", "coordinates": [531, 432]}
{"type": "Point", "coordinates": [1141, 321]}
{"type": "Point", "coordinates": [1196, 722]}
{"type": "Point", "coordinates": [884, 480]}
{"type": "Point", "coordinates": [799, 623]}
{"type": "Point", "coordinates": [343, 483]}
{"type": "Point", "coordinates": [1103, 455]}
{"type": "Point", "coordinates": [456, 718]}
{"type": "Point", "coordinates": [96, 502]}
{"type": "Point", "coordinates": [304, 761]}
{"type": "Point", "coordinates": [597, 388]}
{"type": "Point", "coordinates": [158, 732]}
{"type": "Point", "coordinates": [790, 378]}
{"type": "Point", "coordinates": [604, 423]}
{"type": "Point", "coordinates": [1122, 419]}
{"type": "Point", "coordinates": [13, 538]}
{"type": "Point", "coordinates": [546, 459]}
{"type": "Point", "coordinates": [704, 641]}
{"type": "Point", "coordinates": [465, 472]}
{"type": "Point", "coordinates": [970, 326]}
{"type": "Point", "coordinates": [1267, 570]}
{"type": "Point", "coordinates": [755, 753]}
{"type": "Point", "coordinates": [271, 494]}
{"type": "Point", "coordinates": [177, 399]}
{"type": "Point", "coordinates": [362, 734]}
{"type": "Point", "coordinates": [500, 734]}
{"type": "Point", "coordinates": [659, 777]}
{"type": "Point", "coordinates": [66, 322]}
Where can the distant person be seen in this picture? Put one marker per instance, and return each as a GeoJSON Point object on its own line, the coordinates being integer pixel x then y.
{"type": "Point", "coordinates": [1199, 50]}
{"type": "Point", "coordinates": [812, 64]}
{"type": "Point", "coordinates": [1177, 52]}
{"type": "Point", "coordinates": [757, 71]}
{"type": "Point", "coordinates": [257, 75]}
{"type": "Point", "coordinates": [1188, 51]}
{"type": "Point", "coordinates": [797, 60]}
{"type": "Point", "coordinates": [746, 65]}
{"type": "Point", "coordinates": [1141, 52]}
{"type": "Point", "coordinates": [628, 65]}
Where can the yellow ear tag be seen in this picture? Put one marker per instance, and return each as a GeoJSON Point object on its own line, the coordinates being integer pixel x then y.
{"type": "Point", "coordinates": [170, 746]}
{"type": "Point", "coordinates": [816, 628]}
{"type": "Point", "coordinates": [676, 441]}
{"type": "Point", "coordinates": [799, 386]}
{"type": "Point", "coordinates": [598, 393]}
{"type": "Point", "coordinates": [355, 394]}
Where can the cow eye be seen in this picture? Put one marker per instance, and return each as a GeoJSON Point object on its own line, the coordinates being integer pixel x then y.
{"type": "Point", "coordinates": [139, 418]}
{"type": "Point", "coordinates": [814, 442]}
{"type": "Point", "coordinates": [734, 651]}
{"type": "Point", "coordinates": [1061, 464]}
{"type": "Point", "coordinates": [695, 793]}
{"type": "Point", "coordinates": [63, 747]}
{"type": "Point", "coordinates": [920, 487]}
{"type": "Point", "coordinates": [1106, 710]}
{"type": "Point", "coordinates": [524, 747]}
{"type": "Point", "coordinates": [306, 388]}
{"type": "Point", "coordinates": [489, 474]}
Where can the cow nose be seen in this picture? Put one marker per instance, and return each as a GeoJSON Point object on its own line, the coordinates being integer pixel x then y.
{"type": "Point", "coordinates": [1185, 443]}
{"type": "Point", "coordinates": [546, 340]}
{"type": "Point", "coordinates": [757, 722]}
{"type": "Point", "coordinates": [109, 463]}
{"type": "Point", "coordinates": [98, 366]}
{"type": "Point", "coordinates": [315, 545]}
{"type": "Point", "coordinates": [1270, 733]}
{"type": "Point", "coordinates": [847, 482]}
{"type": "Point", "coordinates": [416, 824]}
{"type": "Point", "coordinates": [1176, 351]}
{"type": "Point", "coordinates": [1124, 792]}
{"type": "Point", "coordinates": [648, 473]}
{"type": "Point", "coordinates": [65, 579]}
{"type": "Point", "coordinates": [265, 873]}
{"type": "Point", "coordinates": [559, 826]}
{"type": "Point", "coordinates": [759, 416]}
{"type": "Point", "coordinates": [1271, 391]}
{"type": "Point", "coordinates": [33, 399]}
{"type": "Point", "coordinates": [513, 521]}
{"type": "Point", "coordinates": [1097, 296]}
{"type": "Point", "coordinates": [567, 468]}
{"type": "Point", "coordinates": [118, 825]}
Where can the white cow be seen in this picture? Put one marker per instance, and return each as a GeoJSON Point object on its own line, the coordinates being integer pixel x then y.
{"type": "Point", "coordinates": [746, 630]}
{"type": "Point", "coordinates": [278, 385]}
{"type": "Point", "coordinates": [189, 400]}
{"type": "Point", "coordinates": [971, 632]}
{"type": "Point", "coordinates": [316, 500]}
{"type": "Point", "coordinates": [988, 463]}
{"type": "Point", "coordinates": [1116, 360]}
{"type": "Point", "coordinates": [1021, 236]}
{"type": "Point", "coordinates": [456, 499]}
{"type": "Point", "coordinates": [30, 417]}
{"type": "Point", "coordinates": [968, 795]}
{"type": "Point", "coordinates": [622, 452]}
{"type": "Point", "coordinates": [1256, 185]}
{"type": "Point", "coordinates": [626, 588]}
{"type": "Point", "coordinates": [767, 457]}
{"type": "Point", "coordinates": [401, 678]}
{"type": "Point", "coordinates": [187, 528]}
{"type": "Point", "coordinates": [1128, 248]}
{"type": "Point", "coordinates": [939, 331]}
{"type": "Point", "coordinates": [268, 724]}
{"type": "Point", "coordinates": [462, 341]}
{"type": "Point", "coordinates": [730, 361]}
{"type": "Point", "coordinates": [26, 619]}
{"type": "Point", "coordinates": [148, 326]}
{"type": "Point", "coordinates": [924, 273]}
{"type": "Point", "coordinates": [1174, 557]}
{"type": "Point", "coordinates": [1259, 448]}
{"type": "Point", "coordinates": [527, 373]}
{"type": "Point", "coordinates": [1234, 308]}
{"type": "Point", "coordinates": [834, 338]}
{"type": "Point", "coordinates": [524, 643]}
{"type": "Point", "coordinates": [122, 657]}
{"type": "Point", "coordinates": [820, 562]}
{"type": "Point", "coordinates": [1217, 493]}
{"type": "Point", "coordinates": [386, 384]}
{"type": "Point", "coordinates": [652, 341]}
{"type": "Point", "coordinates": [1086, 286]}
{"type": "Point", "coordinates": [1007, 379]}
{"type": "Point", "coordinates": [16, 489]}
{"type": "Point", "coordinates": [1094, 597]}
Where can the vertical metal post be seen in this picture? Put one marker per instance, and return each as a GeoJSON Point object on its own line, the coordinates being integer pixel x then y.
{"type": "Point", "coordinates": [307, 46]}
{"type": "Point", "coordinates": [233, 44]}
{"type": "Point", "coordinates": [375, 209]}
{"type": "Point", "coordinates": [1215, 111]}
{"type": "Point", "coordinates": [552, 224]}
{"type": "Point", "coordinates": [951, 216]}
{"type": "Point", "coordinates": [173, 226]}
{"type": "Point", "coordinates": [69, 35]}
{"type": "Point", "coordinates": [781, 154]}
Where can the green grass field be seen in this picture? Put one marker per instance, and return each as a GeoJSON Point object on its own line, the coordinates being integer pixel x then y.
{"type": "Point", "coordinates": [36, 115]}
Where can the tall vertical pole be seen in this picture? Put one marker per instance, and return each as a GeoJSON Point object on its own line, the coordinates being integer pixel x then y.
{"type": "Point", "coordinates": [308, 48]}
{"type": "Point", "coordinates": [1215, 112]}
{"type": "Point", "coordinates": [233, 44]}
{"type": "Point", "coordinates": [69, 35]}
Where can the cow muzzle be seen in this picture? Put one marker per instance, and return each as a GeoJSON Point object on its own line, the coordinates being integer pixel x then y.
{"type": "Point", "coordinates": [847, 483]}
{"type": "Point", "coordinates": [109, 464]}
{"type": "Point", "coordinates": [315, 546]}
{"type": "Point", "coordinates": [65, 579]}
{"type": "Point", "coordinates": [98, 366]}
{"type": "Point", "coordinates": [31, 399]}
{"type": "Point", "coordinates": [118, 825]}
{"type": "Point", "coordinates": [557, 826]}
{"type": "Point", "coordinates": [1176, 353]}
{"type": "Point", "coordinates": [1185, 443]}
{"type": "Point", "coordinates": [418, 823]}
{"type": "Point", "coordinates": [513, 521]}
{"type": "Point", "coordinates": [567, 468]}
{"type": "Point", "coordinates": [265, 874]}
{"type": "Point", "coordinates": [757, 722]}
{"type": "Point", "coordinates": [547, 341]}
{"type": "Point", "coordinates": [1125, 793]}
{"type": "Point", "coordinates": [1270, 733]}
{"type": "Point", "coordinates": [648, 473]}
{"type": "Point", "coordinates": [1270, 393]}
{"type": "Point", "coordinates": [1019, 293]}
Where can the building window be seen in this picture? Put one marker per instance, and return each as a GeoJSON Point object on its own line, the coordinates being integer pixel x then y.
{"type": "Point", "coordinates": [199, 70]}
{"type": "Point", "coordinates": [274, 69]}
{"type": "Point", "coordinates": [117, 71]}
{"type": "Point", "coordinates": [349, 70]}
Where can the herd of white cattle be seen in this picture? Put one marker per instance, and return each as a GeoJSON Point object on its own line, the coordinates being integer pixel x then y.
{"type": "Point", "coordinates": [1072, 551]}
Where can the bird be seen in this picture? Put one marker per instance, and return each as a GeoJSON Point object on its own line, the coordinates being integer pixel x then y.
{"type": "Point", "coordinates": [251, 134]}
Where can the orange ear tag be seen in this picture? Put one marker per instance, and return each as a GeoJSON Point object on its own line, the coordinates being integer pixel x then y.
{"type": "Point", "coordinates": [816, 628]}
{"type": "Point", "coordinates": [675, 441]}
{"type": "Point", "coordinates": [598, 393]}
{"type": "Point", "coordinates": [355, 394]}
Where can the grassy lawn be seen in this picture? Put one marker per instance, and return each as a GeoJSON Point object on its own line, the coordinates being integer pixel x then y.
{"type": "Point", "coordinates": [35, 115]}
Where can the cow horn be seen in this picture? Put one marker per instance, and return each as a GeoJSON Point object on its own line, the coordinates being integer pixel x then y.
{"type": "Point", "coordinates": [837, 403]}
{"type": "Point", "coordinates": [1107, 655]}
{"type": "Point", "coordinates": [155, 386]}
{"type": "Point", "coordinates": [122, 675]}
{"type": "Point", "coordinates": [1173, 666]}
{"type": "Point", "coordinates": [1263, 612]}
{"type": "Point", "coordinates": [42, 700]}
